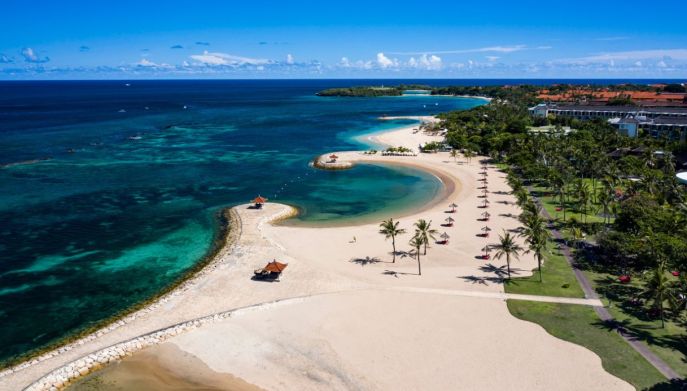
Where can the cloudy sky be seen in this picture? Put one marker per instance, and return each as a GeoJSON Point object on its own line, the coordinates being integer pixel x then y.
{"type": "Point", "coordinates": [356, 39]}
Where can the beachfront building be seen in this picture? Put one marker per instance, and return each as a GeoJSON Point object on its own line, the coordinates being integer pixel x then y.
{"type": "Point", "coordinates": [655, 121]}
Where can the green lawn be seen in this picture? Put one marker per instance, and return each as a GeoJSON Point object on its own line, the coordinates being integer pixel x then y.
{"type": "Point", "coordinates": [580, 325]}
{"type": "Point", "coordinates": [669, 343]}
{"type": "Point", "coordinates": [557, 278]}
{"type": "Point", "coordinates": [550, 203]}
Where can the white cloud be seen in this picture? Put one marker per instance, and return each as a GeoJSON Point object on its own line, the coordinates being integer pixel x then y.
{"type": "Point", "coordinates": [345, 62]}
{"type": "Point", "coordinates": [496, 49]}
{"type": "Point", "coordinates": [385, 62]}
{"type": "Point", "coordinates": [492, 58]}
{"type": "Point", "coordinates": [431, 62]}
{"type": "Point", "coordinates": [638, 63]}
{"type": "Point", "coordinates": [662, 64]}
{"type": "Point", "coordinates": [634, 55]}
{"type": "Point", "coordinates": [612, 39]}
{"type": "Point", "coordinates": [150, 64]}
{"type": "Point", "coordinates": [289, 59]}
{"type": "Point", "coordinates": [211, 59]}
{"type": "Point", "coordinates": [30, 56]}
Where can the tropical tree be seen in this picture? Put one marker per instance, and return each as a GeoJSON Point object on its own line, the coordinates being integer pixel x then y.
{"type": "Point", "coordinates": [416, 242]}
{"type": "Point", "coordinates": [507, 247]}
{"type": "Point", "coordinates": [469, 154]}
{"type": "Point", "coordinates": [660, 289]}
{"type": "Point", "coordinates": [389, 228]}
{"type": "Point", "coordinates": [606, 200]}
{"type": "Point", "coordinates": [536, 237]}
{"type": "Point", "coordinates": [424, 230]}
{"type": "Point", "coordinates": [454, 155]}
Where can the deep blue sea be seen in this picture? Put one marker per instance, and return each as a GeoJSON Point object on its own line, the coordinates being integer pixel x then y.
{"type": "Point", "coordinates": [110, 190]}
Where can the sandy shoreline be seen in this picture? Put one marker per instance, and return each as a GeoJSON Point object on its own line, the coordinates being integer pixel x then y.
{"type": "Point", "coordinates": [360, 321]}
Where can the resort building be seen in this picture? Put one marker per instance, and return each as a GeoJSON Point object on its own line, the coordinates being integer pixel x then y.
{"type": "Point", "coordinates": [655, 121]}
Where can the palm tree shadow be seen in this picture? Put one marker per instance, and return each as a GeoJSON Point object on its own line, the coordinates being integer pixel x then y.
{"type": "Point", "coordinates": [500, 271]}
{"type": "Point", "coordinates": [396, 274]}
{"type": "Point", "coordinates": [365, 261]}
{"type": "Point", "coordinates": [481, 280]}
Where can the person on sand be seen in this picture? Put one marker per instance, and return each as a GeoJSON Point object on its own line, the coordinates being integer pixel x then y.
{"type": "Point", "coordinates": [354, 239]}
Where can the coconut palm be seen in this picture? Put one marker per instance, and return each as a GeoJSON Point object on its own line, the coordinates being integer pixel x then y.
{"type": "Point", "coordinates": [507, 247]}
{"type": "Point", "coordinates": [536, 237]}
{"type": "Point", "coordinates": [605, 198]}
{"type": "Point", "coordinates": [660, 289]}
{"type": "Point", "coordinates": [468, 155]}
{"type": "Point", "coordinates": [416, 242]}
{"type": "Point", "coordinates": [424, 230]}
{"type": "Point", "coordinates": [454, 154]}
{"type": "Point", "coordinates": [389, 228]}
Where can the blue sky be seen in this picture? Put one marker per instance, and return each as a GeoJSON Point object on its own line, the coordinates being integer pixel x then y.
{"type": "Point", "coordinates": [292, 39]}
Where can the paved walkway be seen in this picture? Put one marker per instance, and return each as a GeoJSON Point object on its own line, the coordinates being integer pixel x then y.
{"type": "Point", "coordinates": [504, 296]}
{"type": "Point", "coordinates": [603, 312]}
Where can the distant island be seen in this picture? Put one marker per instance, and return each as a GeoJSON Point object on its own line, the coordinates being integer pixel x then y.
{"type": "Point", "coordinates": [372, 91]}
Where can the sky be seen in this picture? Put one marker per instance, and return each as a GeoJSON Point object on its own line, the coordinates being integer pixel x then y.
{"type": "Point", "coordinates": [354, 39]}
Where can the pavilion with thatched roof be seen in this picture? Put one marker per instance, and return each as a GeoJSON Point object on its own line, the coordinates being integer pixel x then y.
{"type": "Point", "coordinates": [259, 201]}
{"type": "Point", "coordinates": [271, 271]}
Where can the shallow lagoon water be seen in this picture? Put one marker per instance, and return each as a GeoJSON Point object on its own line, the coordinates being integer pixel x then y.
{"type": "Point", "coordinates": [126, 199]}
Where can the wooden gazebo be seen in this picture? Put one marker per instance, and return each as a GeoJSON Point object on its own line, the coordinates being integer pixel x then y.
{"type": "Point", "coordinates": [271, 271]}
{"type": "Point", "coordinates": [259, 201]}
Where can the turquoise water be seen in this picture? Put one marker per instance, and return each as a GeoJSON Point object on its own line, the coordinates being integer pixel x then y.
{"type": "Point", "coordinates": [111, 192]}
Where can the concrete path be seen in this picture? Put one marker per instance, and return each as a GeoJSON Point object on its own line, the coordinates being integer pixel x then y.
{"type": "Point", "coordinates": [504, 296]}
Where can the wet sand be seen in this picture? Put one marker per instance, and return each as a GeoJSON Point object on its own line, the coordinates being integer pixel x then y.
{"type": "Point", "coordinates": [161, 367]}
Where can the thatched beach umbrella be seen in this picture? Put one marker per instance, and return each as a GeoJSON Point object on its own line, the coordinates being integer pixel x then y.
{"type": "Point", "coordinates": [449, 220]}
{"type": "Point", "coordinates": [453, 207]}
{"type": "Point", "coordinates": [485, 191]}
{"type": "Point", "coordinates": [445, 237]}
{"type": "Point", "coordinates": [485, 215]}
{"type": "Point", "coordinates": [259, 201]}
{"type": "Point", "coordinates": [486, 228]}
{"type": "Point", "coordinates": [486, 250]}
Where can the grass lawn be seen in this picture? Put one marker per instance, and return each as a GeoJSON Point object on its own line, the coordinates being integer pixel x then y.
{"type": "Point", "coordinates": [557, 276]}
{"type": "Point", "coordinates": [580, 325]}
{"type": "Point", "coordinates": [669, 343]}
{"type": "Point", "coordinates": [550, 203]}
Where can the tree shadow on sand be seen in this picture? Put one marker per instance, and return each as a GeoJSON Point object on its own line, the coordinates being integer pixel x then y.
{"type": "Point", "coordinates": [499, 271]}
{"type": "Point", "coordinates": [394, 273]}
{"type": "Point", "coordinates": [481, 279]}
{"type": "Point", "coordinates": [365, 261]}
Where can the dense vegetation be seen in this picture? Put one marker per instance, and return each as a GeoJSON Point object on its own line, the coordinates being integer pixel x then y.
{"type": "Point", "coordinates": [618, 204]}
{"type": "Point", "coordinates": [371, 91]}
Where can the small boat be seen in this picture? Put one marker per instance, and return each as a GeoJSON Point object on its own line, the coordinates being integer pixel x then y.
{"type": "Point", "coordinates": [122, 111]}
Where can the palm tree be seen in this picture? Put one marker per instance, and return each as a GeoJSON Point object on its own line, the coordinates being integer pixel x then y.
{"type": "Point", "coordinates": [605, 198]}
{"type": "Point", "coordinates": [390, 229]}
{"type": "Point", "coordinates": [507, 247]}
{"type": "Point", "coordinates": [416, 242]}
{"type": "Point", "coordinates": [576, 234]}
{"type": "Point", "coordinates": [468, 155]}
{"type": "Point", "coordinates": [536, 237]}
{"type": "Point", "coordinates": [659, 288]}
{"type": "Point", "coordinates": [424, 231]}
{"type": "Point", "coordinates": [454, 155]}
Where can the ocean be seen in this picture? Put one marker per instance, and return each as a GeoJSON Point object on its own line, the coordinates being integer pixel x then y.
{"type": "Point", "coordinates": [111, 189]}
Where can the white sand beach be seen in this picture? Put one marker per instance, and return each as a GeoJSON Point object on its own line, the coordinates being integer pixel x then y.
{"type": "Point", "coordinates": [343, 316]}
